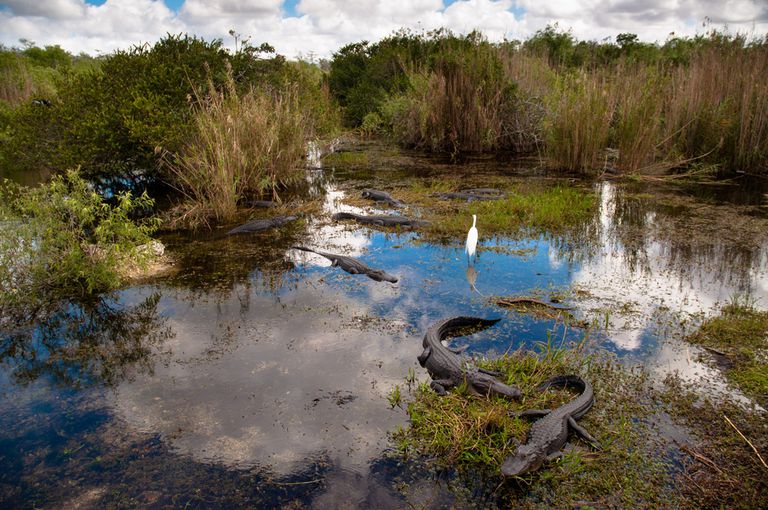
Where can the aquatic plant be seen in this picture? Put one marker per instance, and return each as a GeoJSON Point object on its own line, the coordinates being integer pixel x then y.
{"type": "Point", "coordinates": [525, 210]}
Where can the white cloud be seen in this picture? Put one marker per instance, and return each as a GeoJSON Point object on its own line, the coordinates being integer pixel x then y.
{"type": "Point", "coordinates": [203, 10]}
{"type": "Point", "coordinates": [322, 26]}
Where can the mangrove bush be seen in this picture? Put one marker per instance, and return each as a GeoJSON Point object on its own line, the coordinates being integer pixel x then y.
{"type": "Point", "coordinates": [62, 240]}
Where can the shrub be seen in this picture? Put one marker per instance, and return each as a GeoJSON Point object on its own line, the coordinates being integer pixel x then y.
{"type": "Point", "coordinates": [109, 120]}
{"type": "Point", "coordinates": [62, 240]}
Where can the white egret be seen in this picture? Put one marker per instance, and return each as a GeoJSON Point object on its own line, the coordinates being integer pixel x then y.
{"type": "Point", "coordinates": [472, 239]}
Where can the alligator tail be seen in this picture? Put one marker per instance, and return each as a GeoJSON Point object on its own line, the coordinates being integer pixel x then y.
{"type": "Point", "coordinates": [302, 248]}
{"type": "Point", "coordinates": [564, 381]}
{"type": "Point", "coordinates": [344, 216]}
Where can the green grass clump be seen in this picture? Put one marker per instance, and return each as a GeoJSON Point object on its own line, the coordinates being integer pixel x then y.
{"type": "Point", "coordinates": [526, 210]}
{"type": "Point", "coordinates": [740, 332]}
{"type": "Point", "coordinates": [475, 435]}
{"type": "Point", "coordinates": [347, 158]}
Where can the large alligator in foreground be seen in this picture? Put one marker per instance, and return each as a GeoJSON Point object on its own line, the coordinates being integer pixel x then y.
{"type": "Point", "coordinates": [259, 225]}
{"type": "Point", "coordinates": [549, 434]}
{"type": "Point", "coordinates": [352, 266]}
{"type": "Point", "coordinates": [380, 220]}
{"type": "Point", "coordinates": [381, 196]}
{"type": "Point", "coordinates": [448, 369]}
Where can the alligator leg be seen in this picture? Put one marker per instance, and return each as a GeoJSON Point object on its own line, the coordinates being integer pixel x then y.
{"type": "Point", "coordinates": [581, 432]}
{"type": "Point", "coordinates": [554, 456]}
{"type": "Point", "coordinates": [424, 355]}
{"type": "Point", "coordinates": [441, 386]}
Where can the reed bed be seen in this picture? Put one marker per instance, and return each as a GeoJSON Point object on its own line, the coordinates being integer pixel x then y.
{"type": "Point", "coordinates": [242, 144]}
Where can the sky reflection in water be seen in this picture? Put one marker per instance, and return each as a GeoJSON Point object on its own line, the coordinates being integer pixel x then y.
{"type": "Point", "coordinates": [292, 360]}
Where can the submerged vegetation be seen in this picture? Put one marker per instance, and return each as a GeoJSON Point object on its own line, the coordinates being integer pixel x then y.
{"type": "Point", "coordinates": [724, 465]}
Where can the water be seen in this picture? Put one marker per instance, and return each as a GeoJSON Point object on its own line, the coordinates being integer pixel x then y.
{"type": "Point", "coordinates": [257, 376]}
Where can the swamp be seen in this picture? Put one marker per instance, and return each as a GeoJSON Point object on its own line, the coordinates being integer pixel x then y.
{"type": "Point", "coordinates": [237, 371]}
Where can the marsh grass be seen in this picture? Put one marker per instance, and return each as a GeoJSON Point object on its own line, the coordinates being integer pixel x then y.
{"type": "Point", "coordinates": [242, 143]}
{"type": "Point", "coordinates": [477, 434]}
{"type": "Point", "coordinates": [460, 102]}
{"type": "Point", "coordinates": [16, 85]}
{"type": "Point", "coordinates": [740, 332]}
{"type": "Point", "coordinates": [660, 114]}
{"type": "Point", "coordinates": [718, 106]}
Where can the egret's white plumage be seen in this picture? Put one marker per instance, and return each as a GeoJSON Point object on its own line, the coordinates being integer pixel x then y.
{"type": "Point", "coordinates": [472, 238]}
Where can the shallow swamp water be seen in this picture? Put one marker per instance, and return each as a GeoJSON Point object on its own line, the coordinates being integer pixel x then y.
{"type": "Point", "coordinates": [256, 376]}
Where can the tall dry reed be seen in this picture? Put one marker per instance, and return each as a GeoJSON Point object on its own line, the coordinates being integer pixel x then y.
{"type": "Point", "coordinates": [577, 125]}
{"type": "Point", "coordinates": [242, 143]}
{"type": "Point", "coordinates": [448, 112]}
{"type": "Point", "coordinates": [717, 107]}
{"type": "Point", "coordinates": [637, 125]}
{"type": "Point", "coordinates": [16, 84]}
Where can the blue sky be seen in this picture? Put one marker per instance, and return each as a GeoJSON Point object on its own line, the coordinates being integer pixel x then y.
{"type": "Point", "coordinates": [320, 27]}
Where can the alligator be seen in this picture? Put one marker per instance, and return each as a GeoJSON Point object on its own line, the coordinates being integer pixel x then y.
{"type": "Point", "coordinates": [260, 203]}
{"type": "Point", "coordinates": [541, 309]}
{"type": "Point", "coordinates": [486, 191]}
{"type": "Point", "coordinates": [381, 196]}
{"type": "Point", "coordinates": [380, 220]}
{"type": "Point", "coordinates": [469, 195]}
{"type": "Point", "coordinates": [259, 225]}
{"type": "Point", "coordinates": [352, 266]}
{"type": "Point", "coordinates": [549, 434]}
{"type": "Point", "coordinates": [448, 369]}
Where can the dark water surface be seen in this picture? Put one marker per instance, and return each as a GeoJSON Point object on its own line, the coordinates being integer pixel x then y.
{"type": "Point", "coordinates": [256, 376]}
